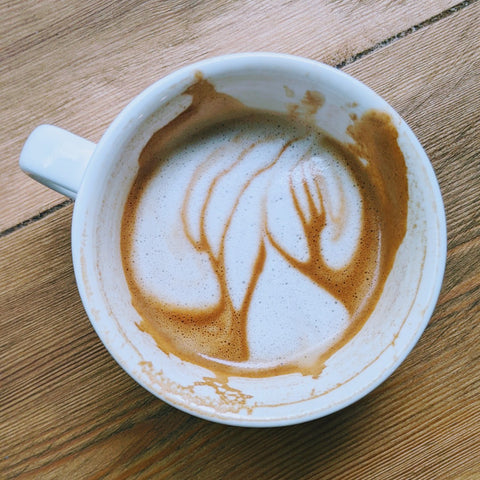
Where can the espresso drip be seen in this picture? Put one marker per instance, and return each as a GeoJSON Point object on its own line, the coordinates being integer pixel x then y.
{"type": "Point", "coordinates": [264, 151]}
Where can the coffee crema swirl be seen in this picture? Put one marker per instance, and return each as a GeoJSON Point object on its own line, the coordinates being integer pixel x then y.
{"type": "Point", "coordinates": [256, 180]}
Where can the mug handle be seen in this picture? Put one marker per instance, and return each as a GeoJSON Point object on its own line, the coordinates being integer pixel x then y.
{"type": "Point", "coordinates": [56, 158]}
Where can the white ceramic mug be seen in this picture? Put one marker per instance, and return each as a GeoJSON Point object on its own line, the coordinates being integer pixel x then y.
{"type": "Point", "coordinates": [99, 178]}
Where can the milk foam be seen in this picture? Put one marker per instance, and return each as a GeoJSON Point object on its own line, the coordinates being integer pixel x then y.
{"type": "Point", "coordinates": [228, 188]}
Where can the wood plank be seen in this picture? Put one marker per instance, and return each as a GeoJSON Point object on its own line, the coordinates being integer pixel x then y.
{"type": "Point", "coordinates": [77, 64]}
{"type": "Point", "coordinates": [68, 411]}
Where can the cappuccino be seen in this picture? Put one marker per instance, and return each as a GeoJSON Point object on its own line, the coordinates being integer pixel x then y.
{"type": "Point", "coordinates": [255, 244]}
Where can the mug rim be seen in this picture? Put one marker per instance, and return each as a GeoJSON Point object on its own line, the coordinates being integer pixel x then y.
{"type": "Point", "coordinates": [211, 67]}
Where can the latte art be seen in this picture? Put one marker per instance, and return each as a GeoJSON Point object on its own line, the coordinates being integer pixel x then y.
{"type": "Point", "coordinates": [255, 244]}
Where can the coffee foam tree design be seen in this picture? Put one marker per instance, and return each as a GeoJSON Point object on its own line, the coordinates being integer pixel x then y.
{"type": "Point", "coordinates": [313, 218]}
{"type": "Point", "coordinates": [218, 333]}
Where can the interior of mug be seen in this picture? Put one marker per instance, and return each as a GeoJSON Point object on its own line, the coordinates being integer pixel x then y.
{"type": "Point", "coordinates": [275, 83]}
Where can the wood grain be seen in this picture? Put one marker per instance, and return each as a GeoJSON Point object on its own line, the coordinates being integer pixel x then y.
{"type": "Point", "coordinates": [67, 410]}
{"type": "Point", "coordinates": [77, 64]}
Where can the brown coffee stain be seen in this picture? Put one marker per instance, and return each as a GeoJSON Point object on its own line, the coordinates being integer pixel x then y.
{"type": "Point", "coordinates": [312, 101]}
{"type": "Point", "coordinates": [214, 336]}
{"type": "Point", "coordinates": [226, 399]}
{"type": "Point", "coordinates": [288, 91]}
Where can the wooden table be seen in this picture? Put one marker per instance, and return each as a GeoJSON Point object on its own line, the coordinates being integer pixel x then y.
{"type": "Point", "coordinates": [67, 410]}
